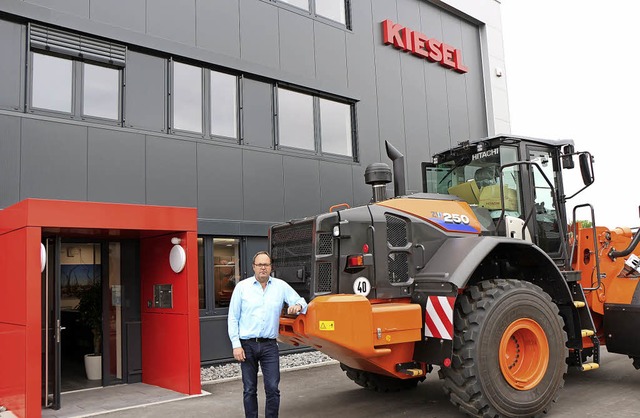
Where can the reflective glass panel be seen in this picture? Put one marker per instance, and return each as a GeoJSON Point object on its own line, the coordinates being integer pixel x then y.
{"type": "Point", "coordinates": [101, 93]}
{"type": "Point", "coordinates": [52, 83]}
{"type": "Point", "coordinates": [202, 299]}
{"type": "Point", "coordinates": [226, 269]}
{"type": "Point", "coordinates": [335, 127]}
{"type": "Point", "coordinates": [295, 119]}
{"type": "Point", "coordinates": [332, 9]}
{"type": "Point", "coordinates": [224, 104]}
{"type": "Point", "coordinates": [303, 4]}
{"type": "Point", "coordinates": [187, 97]}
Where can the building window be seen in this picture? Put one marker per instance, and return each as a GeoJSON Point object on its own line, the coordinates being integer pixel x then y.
{"type": "Point", "coordinates": [226, 269]}
{"type": "Point", "coordinates": [218, 271]}
{"type": "Point", "coordinates": [75, 75]}
{"type": "Point", "coordinates": [295, 120]}
{"type": "Point", "coordinates": [52, 86]}
{"type": "Point", "coordinates": [101, 96]}
{"type": "Point", "coordinates": [204, 101]}
{"type": "Point", "coordinates": [335, 128]}
{"type": "Point", "coordinates": [301, 118]}
{"type": "Point", "coordinates": [332, 9]}
{"type": "Point", "coordinates": [302, 4]}
{"type": "Point", "coordinates": [335, 10]}
{"type": "Point", "coordinates": [187, 97]}
{"type": "Point", "coordinates": [224, 104]}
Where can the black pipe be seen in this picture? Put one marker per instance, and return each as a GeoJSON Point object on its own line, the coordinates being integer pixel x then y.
{"type": "Point", "coordinates": [397, 158]}
{"type": "Point", "coordinates": [632, 246]}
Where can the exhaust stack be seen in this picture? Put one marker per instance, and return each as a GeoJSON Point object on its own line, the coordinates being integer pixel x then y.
{"type": "Point", "coordinates": [397, 158]}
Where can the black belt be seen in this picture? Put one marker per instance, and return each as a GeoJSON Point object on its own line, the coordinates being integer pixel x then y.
{"type": "Point", "coordinates": [258, 340]}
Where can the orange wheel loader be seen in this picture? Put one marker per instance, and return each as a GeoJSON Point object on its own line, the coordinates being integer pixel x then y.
{"type": "Point", "coordinates": [481, 274]}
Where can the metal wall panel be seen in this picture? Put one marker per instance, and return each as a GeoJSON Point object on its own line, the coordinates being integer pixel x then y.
{"type": "Point", "coordinates": [333, 175]}
{"type": "Point", "coordinates": [218, 26]}
{"type": "Point", "coordinates": [173, 20]}
{"type": "Point", "coordinates": [72, 7]}
{"type": "Point", "coordinates": [263, 186]}
{"type": "Point", "coordinates": [116, 166]}
{"type": "Point", "coordinates": [296, 44]}
{"type": "Point", "coordinates": [214, 339]}
{"type": "Point", "coordinates": [257, 113]}
{"type": "Point", "coordinates": [259, 29]}
{"type": "Point", "coordinates": [127, 14]}
{"type": "Point", "coordinates": [219, 182]}
{"type": "Point", "coordinates": [146, 92]}
{"type": "Point", "coordinates": [301, 184]}
{"type": "Point", "coordinates": [388, 80]}
{"type": "Point", "coordinates": [456, 84]}
{"type": "Point", "coordinates": [475, 85]}
{"type": "Point", "coordinates": [9, 160]}
{"type": "Point", "coordinates": [331, 57]}
{"type": "Point", "coordinates": [171, 177]}
{"type": "Point", "coordinates": [11, 65]}
{"type": "Point", "coordinates": [53, 160]}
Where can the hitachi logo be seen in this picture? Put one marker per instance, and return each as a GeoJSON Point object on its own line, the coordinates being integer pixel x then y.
{"type": "Point", "coordinates": [485, 154]}
{"type": "Point", "coordinates": [421, 46]}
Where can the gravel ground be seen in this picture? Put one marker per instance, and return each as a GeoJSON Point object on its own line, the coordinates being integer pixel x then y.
{"type": "Point", "coordinates": [232, 370]}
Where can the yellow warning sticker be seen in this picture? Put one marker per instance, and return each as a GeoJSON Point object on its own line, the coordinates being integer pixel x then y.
{"type": "Point", "coordinates": [327, 326]}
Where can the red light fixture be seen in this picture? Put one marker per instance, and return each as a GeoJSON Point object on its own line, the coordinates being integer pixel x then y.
{"type": "Point", "coordinates": [355, 261]}
{"type": "Point", "coordinates": [447, 362]}
{"type": "Point", "coordinates": [365, 248]}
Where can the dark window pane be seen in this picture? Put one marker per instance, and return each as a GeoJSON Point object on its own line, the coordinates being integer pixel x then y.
{"type": "Point", "coordinates": [101, 92]}
{"type": "Point", "coordinates": [224, 104]}
{"type": "Point", "coordinates": [332, 9]}
{"type": "Point", "coordinates": [226, 268]}
{"type": "Point", "coordinates": [52, 83]}
{"type": "Point", "coordinates": [187, 97]}
{"type": "Point", "coordinates": [202, 299]}
{"type": "Point", "coordinates": [335, 127]}
{"type": "Point", "coordinates": [295, 119]}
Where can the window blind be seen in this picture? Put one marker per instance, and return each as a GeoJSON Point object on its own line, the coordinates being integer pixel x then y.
{"type": "Point", "coordinates": [76, 45]}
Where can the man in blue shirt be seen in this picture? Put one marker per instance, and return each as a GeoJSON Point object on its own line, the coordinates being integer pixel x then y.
{"type": "Point", "coordinates": [254, 317]}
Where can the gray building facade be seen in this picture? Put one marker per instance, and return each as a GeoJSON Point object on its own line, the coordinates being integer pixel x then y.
{"type": "Point", "coordinates": [252, 111]}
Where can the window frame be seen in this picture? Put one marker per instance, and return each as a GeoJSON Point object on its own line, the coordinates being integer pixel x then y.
{"type": "Point", "coordinates": [311, 11]}
{"type": "Point", "coordinates": [206, 102]}
{"type": "Point", "coordinates": [77, 90]}
{"type": "Point", "coordinates": [210, 308]}
{"type": "Point", "coordinates": [317, 124]}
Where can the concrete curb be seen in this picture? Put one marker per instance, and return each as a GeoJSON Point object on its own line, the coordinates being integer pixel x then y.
{"type": "Point", "coordinates": [289, 369]}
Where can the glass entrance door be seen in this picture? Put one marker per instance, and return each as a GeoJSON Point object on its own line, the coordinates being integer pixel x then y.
{"type": "Point", "coordinates": [51, 326]}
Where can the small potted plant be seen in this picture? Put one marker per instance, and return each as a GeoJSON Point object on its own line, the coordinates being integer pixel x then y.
{"type": "Point", "coordinates": [90, 309]}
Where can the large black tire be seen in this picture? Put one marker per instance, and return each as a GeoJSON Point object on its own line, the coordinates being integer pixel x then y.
{"type": "Point", "coordinates": [512, 319]}
{"type": "Point", "coordinates": [377, 382]}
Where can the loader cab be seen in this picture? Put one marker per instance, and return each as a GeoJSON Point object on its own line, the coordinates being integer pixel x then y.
{"type": "Point", "coordinates": [506, 179]}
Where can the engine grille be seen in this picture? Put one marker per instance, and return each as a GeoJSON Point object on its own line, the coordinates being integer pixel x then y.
{"type": "Point", "coordinates": [398, 261]}
{"type": "Point", "coordinates": [325, 244]}
{"type": "Point", "coordinates": [396, 231]}
{"type": "Point", "coordinates": [291, 246]}
{"type": "Point", "coordinates": [323, 284]}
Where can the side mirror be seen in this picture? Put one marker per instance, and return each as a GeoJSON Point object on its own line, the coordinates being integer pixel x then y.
{"type": "Point", "coordinates": [586, 168]}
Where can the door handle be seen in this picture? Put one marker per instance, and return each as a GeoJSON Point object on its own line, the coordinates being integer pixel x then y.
{"type": "Point", "coordinates": [423, 258]}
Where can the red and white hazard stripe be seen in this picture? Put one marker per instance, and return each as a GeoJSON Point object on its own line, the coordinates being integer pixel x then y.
{"type": "Point", "coordinates": [438, 319]}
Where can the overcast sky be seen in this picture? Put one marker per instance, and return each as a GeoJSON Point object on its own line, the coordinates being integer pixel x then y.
{"type": "Point", "coordinates": [573, 71]}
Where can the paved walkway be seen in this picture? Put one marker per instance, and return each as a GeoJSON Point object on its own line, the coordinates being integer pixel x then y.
{"type": "Point", "coordinates": [90, 402]}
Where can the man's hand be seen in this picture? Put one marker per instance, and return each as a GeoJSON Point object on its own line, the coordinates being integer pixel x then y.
{"type": "Point", "coordinates": [238, 354]}
{"type": "Point", "coordinates": [295, 309]}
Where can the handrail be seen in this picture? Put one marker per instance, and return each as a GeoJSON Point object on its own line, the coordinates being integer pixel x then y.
{"type": "Point", "coordinates": [595, 248]}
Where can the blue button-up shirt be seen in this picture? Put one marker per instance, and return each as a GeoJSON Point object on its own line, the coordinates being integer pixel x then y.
{"type": "Point", "coordinates": [255, 313]}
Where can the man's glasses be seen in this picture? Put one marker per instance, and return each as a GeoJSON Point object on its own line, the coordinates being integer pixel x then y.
{"type": "Point", "coordinates": [262, 265]}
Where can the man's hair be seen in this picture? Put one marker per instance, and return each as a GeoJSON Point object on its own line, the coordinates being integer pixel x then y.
{"type": "Point", "coordinates": [259, 253]}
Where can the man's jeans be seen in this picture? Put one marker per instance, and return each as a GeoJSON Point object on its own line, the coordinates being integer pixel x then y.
{"type": "Point", "coordinates": [268, 356]}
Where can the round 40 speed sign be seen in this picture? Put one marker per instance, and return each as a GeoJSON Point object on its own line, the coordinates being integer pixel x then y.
{"type": "Point", "coordinates": [361, 286]}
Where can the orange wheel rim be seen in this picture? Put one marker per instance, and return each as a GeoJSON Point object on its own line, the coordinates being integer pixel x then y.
{"type": "Point", "coordinates": [524, 354]}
